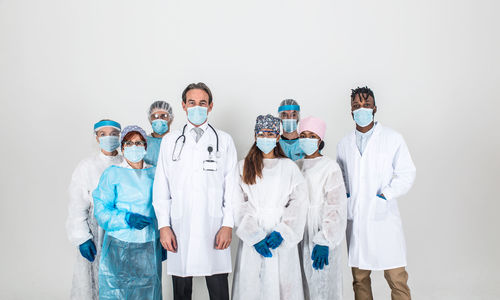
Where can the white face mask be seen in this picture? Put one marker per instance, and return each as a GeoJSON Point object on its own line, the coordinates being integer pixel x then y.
{"type": "Point", "coordinates": [363, 116]}
{"type": "Point", "coordinates": [109, 143]}
{"type": "Point", "coordinates": [134, 153]}
{"type": "Point", "coordinates": [289, 125]}
{"type": "Point", "coordinates": [266, 145]}
{"type": "Point", "coordinates": [309, 146]}
{"type": "Point", "coordinates": [197, 114]}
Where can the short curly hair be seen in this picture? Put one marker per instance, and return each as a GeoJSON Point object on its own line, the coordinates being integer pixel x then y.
{"type": "Point", "coordinates": [364, 92]}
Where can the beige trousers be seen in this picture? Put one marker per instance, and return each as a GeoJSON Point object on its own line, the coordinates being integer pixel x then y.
{"type": "Point", "coordinates": [396, 278]}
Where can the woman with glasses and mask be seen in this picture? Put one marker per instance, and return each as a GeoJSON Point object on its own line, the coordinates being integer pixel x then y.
{"type": "Point", "coordinates": [269, 213]}
{"type": "Point", "coordinates": [130, 266]}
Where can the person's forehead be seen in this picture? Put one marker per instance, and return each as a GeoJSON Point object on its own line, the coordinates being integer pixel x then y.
{"type": "Point", "coordinates": [267, 130]}
{"type": "Point", "coordinates": [134, 136]}
{"type": "Point", "coordinates": [197, 94]}
{"type": "Point", "coordinates": [159, 111]}
{"type": "Point", "coordinates": [307, 132]}
{"type": "Point", "coordinates": [362, 98]}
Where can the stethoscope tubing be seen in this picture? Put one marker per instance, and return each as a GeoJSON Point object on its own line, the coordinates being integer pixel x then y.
{"type": "Point", "coordinates": [183, 136]}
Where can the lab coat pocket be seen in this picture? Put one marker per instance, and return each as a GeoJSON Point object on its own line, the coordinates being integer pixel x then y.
{"type": "Point", "coordinates": [381, 209]}
{"type": "Point", "coordinates": [215, 202]}
{"type": "Point", "coordinates": [176, 207]}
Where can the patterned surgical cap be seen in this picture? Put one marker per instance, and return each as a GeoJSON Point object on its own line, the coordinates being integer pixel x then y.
{"type": "Point", "coordinates": [267, 122]}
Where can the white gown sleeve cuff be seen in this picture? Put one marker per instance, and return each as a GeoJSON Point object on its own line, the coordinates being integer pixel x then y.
{"type": "Point", "coordinates": [319, 239]}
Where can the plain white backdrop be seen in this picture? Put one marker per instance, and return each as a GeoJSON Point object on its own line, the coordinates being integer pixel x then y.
{"type": "Point", "coordinates": [433, 65]}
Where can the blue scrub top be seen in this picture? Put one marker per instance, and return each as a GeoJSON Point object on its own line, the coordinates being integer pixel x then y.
{"type": "Point", "coordinates": [153, 150]}
{"type": "Point", "coordinates": [292, 149]}
{"type": "Point", "coordinates": [121, 191]}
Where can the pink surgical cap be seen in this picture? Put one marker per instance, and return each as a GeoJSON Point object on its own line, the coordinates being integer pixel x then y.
{"type": "Point", "coordinates": [313, 124]}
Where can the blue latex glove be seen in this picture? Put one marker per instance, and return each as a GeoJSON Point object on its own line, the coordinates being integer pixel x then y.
{"type": "Point", "coordinates": [320, 256]}
{"type": "Point", "coordinates": [163, 254]}
{"type": "Point", "coordinates": [274, 239]}
{"type": "Point", "coordinates": [88, 250]}
{"type": "Point", "coordinates": [137, 221]}
{"type": "Point", "coordinates": [263, 249]}
{"type": "Point", "coordinates": [382, 197]}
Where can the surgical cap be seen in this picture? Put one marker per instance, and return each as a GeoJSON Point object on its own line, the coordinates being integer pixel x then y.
{"type": "Point", "coordinates": [160, 105]}
{"type": "Point", "coordinates": [107, 123]}
{"type": "Point", "coordinates": [313, 124]}
{"type": "Point", "coordinates": [267, 122]}
{"type": "Point", "coordinates": [132, 128]}
{"type": "Point", "coordinates": [289, 104]}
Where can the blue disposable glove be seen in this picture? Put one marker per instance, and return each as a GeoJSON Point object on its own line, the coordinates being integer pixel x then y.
{"type": "Point", "coordinates": [88, 250]}
{"type": "Point", "coordinates": [381, 196]}
{"type": "Point", "coordinates": [319, 256]}
{"type": "Point", "coordinates": [163, 254]}
{"type": "Point", "coordinates": [137, 221]}
{"type": "Point", "coordinates": [274, 240]}
{"type": "Point", "coordinates": [263, 249]}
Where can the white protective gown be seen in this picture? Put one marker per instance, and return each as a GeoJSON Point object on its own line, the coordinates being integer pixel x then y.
{"type": "Point", "coordinates": [81, 224]}
{"type": "Point", "coordinates": [375, 236]}
{"type": "Point", "coordinates": [326, 224]}
{"type": "Point", "coordinates": [194, 202]}
{"type": "Point", "coordinates": [277, 202]}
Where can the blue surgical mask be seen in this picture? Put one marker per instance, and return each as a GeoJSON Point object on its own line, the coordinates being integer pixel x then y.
{"type": "Point", "coordinates": [266, 145]}
{"type": "Point", "coordinates": [289, 125]}
{"type": "Point", "coordinates": [363, 116]}
{"type": "Point", "coordinates": [109, 143]}
{"type": "Point", "coordinates": [309, 146]}
{"type": "Point", "coordinates": [134, 153]}
{"type": "Point", "coordinates": [160, 126]}
{"type": "Point", "coordinates": [197, 114]}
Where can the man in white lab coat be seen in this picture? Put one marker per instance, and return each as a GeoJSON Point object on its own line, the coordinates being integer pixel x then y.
{"type": "Point", "coordinates": [192, 198]}
{"type": "Point", "coordinates": [377, 169]}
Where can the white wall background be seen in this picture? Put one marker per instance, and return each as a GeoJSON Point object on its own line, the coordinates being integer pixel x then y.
{"type": "Point", "coordinates": [434, 67]}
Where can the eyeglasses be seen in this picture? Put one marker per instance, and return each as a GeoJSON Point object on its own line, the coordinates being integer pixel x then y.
{"type": "Point", "coordinates": [138, 143]}
{"type": "Point", "coordinates": [159, 116]}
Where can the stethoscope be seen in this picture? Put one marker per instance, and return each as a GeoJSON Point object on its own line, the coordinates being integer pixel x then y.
{"type": "Point", "coordinates": [183, 137]}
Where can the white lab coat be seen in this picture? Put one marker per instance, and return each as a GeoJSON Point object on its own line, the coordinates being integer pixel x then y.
{"type": "Point", "coordinates": [375, 236]}
{"type": "Point", "coordinates": [326, 224]}
{"type": "Point", "coordinates": [195, 203]}
{"type": "Point", "coordinates": [277, 202]}
{"type": "Point", "coordinates": [81, 224]}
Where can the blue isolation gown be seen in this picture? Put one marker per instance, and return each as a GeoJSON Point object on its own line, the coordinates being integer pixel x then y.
{"type": "Point", "coordinates": [153, 150]}
{"type": "Point", "coordinates": [130, 265]}
{"type": "Point", "coordinates": [291, 148]}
